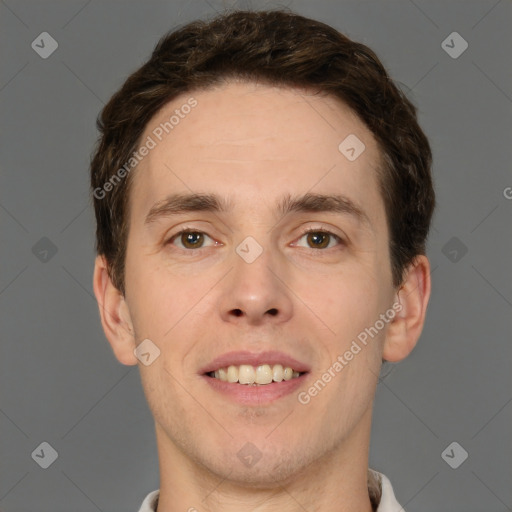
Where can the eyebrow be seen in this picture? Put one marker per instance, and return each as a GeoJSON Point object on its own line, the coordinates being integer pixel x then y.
{"type": "Point", "coordinates": [176, 204]}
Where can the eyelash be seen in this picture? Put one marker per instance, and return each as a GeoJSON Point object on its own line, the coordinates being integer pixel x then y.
{"type": "Point", "coordinates": [307, 231]}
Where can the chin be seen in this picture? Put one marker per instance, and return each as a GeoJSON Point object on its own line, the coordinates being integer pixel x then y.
{"type": "Point", "coordinates": [271, 468]}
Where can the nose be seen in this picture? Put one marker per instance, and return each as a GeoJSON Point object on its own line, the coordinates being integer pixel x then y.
{"type": "Point", "coordinates": [256, 293]}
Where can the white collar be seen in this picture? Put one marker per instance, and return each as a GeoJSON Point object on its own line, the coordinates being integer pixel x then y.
{"type": "Point", "coordinates": [388, 501]}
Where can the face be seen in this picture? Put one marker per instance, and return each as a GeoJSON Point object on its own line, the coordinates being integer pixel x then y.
{"type": "Point", "coordinates": [286, 263]}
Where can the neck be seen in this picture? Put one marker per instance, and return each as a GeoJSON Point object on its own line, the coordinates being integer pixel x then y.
{"type": "Point", "coordinates": [336, 481]}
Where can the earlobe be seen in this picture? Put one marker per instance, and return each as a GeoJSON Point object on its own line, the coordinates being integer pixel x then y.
{"type": "Point", "coordinates": [411, 306]}
{"type": "Point", "coordinates": [114, 314]}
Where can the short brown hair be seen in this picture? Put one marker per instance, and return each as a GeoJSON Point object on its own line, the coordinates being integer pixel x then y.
{"type": "Point", "coordinates": [279, 48]}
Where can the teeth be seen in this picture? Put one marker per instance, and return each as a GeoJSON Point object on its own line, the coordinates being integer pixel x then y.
{"type": "Point", "coordinates": [232, 374]}
{"type": "Point", "coordinates": [263, 374]}
{"type": "Point", "coordinates": [277, 373]}
{"type": "Point", "coordinates": [246, 374]}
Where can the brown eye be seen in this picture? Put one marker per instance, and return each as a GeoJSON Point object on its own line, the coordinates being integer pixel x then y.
{"type": "Point", "coordinates": [192, 239]}
{"type": "Point", "coordinates": [318, 239]}
{"type": "Point", "coordinates": [188, 239]}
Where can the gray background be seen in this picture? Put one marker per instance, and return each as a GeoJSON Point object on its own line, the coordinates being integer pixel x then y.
{"type": "Point", "coordinates": [60, 382]}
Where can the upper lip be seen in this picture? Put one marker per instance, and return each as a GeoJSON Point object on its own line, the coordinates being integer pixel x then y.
{"type": "Point", "coordinates": [239, 357]}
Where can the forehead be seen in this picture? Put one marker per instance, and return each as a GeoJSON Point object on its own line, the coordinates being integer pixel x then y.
{"type": "Point", "coordinates": [251, 140]}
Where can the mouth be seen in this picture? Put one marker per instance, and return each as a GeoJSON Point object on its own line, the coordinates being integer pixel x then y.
{"type": "Point", "coordinates": [260, 375]}
{"type": "Point", "coordinates": [251, 378]}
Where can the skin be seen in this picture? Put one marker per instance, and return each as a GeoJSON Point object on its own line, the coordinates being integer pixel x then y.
{"type": "Point", "coordinates": [253, 143]}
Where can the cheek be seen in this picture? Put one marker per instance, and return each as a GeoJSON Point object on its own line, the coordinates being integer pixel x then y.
{"type": "Point", "coordinates": [166, 306]}
{"type": "Point", "coordinates": [345, 302]}
{"type": "Point", "coordinates": [154, 301]}
{"type": "Point", "coordinates": [166, 398]}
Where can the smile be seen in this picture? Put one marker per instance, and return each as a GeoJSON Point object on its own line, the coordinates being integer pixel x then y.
{"type": "Point", "coordinates": [251, 375]}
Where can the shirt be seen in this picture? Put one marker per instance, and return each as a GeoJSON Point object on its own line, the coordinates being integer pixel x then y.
{"type": "Point", "coordinates": [387, 503]}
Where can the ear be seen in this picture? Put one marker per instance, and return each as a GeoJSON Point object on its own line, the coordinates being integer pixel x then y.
{"type": "Point", "coordinates": [114, 314]}
{"type": "Point", "coordinates": [411, 302]}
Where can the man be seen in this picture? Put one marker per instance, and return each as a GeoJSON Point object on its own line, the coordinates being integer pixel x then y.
{"type": "Point", "coordinates": [263, 195]}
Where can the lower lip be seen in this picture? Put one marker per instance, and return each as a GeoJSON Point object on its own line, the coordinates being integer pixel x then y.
{"type": "Point", "coordinates": [256, 395]}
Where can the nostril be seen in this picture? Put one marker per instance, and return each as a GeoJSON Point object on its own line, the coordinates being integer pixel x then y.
{"type": "Point", "coordinates": [273, 311]}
